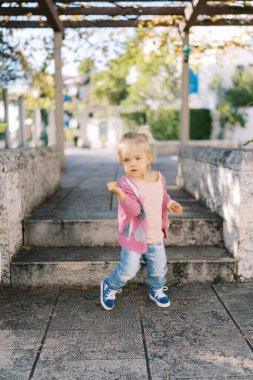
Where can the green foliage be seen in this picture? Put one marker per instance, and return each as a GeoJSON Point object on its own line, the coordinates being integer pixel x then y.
{"type": "Point", "coordinates": [248, 142]}
{"type": "Point", "coordinates": [164, 124]}
{"type": "Point", "coordinates": [200, 124]}
{"type": "Point", "coordinates": [110, 85]}
{"type": "Point", "coordinates": [13, 64]}
{"type": "Point", "coordinates": [44, 85]}
{"type": "Point", "coordinates": [134, 119]}
{"type": "Point", "coordinates": [231, 99]}
{"type": "Point", "coordinates": [86, 66]}
{"type": "Point", "coordinates": [2, 127]}
{"type": "Point", "coordinates": [2, 130]}
{"type": "Point", "coordinates": [230, 114]}
{"type": "Point", "coordinates": [241, 93]}
{"type": "Point", "coordinates": [156, 78]}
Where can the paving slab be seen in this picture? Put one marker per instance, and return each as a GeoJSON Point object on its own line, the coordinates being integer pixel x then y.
{"type": "Point", "coordinates": [134, 369]}
{"type": "Point", "coordinates": [25, 310]}
{"type": "Point", "coordinates": [204, 334]}
{"type": "Point", "coordinates": [239, 302]}
{"type": "Point", "coordinates": [195, 337]}
{"type": "Point", "coordinates": [23, 318]}
{"type": "Point", "coordinates": [16, 365]}
{"type": "Point", "coordinates": [90, 343]}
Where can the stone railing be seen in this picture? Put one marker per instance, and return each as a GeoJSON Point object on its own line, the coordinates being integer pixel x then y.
{"type": "Point", "coordinates": [223, 180]}
{"type": "Point", "coordinates": [166, 147]}
{"type": "Point", "coordinates": [27, 178]}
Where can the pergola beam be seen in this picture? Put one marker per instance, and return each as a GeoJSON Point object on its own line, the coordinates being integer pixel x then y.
{"type": "Point", "coordinates": [49, 10]}
{"type": "Point", "coordinates": [86, 24]}
{"type": "Point", "coordinates": [224, 22]}
{"type": "Point", "coordinates": [115, 23]}
{"type": "Point", "coordinates": [20, 11]}
{"type": "Point", "coordinates": [95, 1]}
{"type": "Point", "coordinates": [118, 11]}
{"type": "Point", "coordinates": [121, 23]}
{"type": "Point", "coordinates": [86, 11]}
{"type": "Point", "coordinates": [52, 9]}
{"type": "Point", "coordinates": [227, 10]}
{"type": "Point", "coordinates": [191, 12]}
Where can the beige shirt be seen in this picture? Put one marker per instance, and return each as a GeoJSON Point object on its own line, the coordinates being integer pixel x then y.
{"type": "Point", "coordinates": [152, 198]}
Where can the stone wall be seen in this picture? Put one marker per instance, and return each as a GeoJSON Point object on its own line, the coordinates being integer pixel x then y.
{"type": "Point", "coordinates": [166, 147]}
{"type": "Point", "coordinates": [223, 180]}
{"type": "Point", "coordinates": [27, 178]}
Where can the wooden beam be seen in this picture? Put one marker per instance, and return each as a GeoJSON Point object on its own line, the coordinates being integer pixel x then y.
{"type": "Point", "coordinates": [20, 11]}
{"type": "Point", "coordinates": [24, 24]}
{"type": "Point", "coordinates": [225, 22]}
{"type": "Point", "coordinates": [191, 13]}
{"type": "Point", "coordinates": [116, 23]}
{"type": "Point", "coordinates": [49, 10]}
{"type": "Point", "coordinates": [224, 1]}
{"type": "Point", "coordinates": [120, 23]}
{"type": "Point", "coordinates": [94, 1]}
{"type": "Point", "coordinates": [118, 11]}
{"type": "Point", "coordinates": [227, 10]}
{"type": "Point", "coordinates": [114, 11]}
{"type": "Point", "coordinates": [86, 24]}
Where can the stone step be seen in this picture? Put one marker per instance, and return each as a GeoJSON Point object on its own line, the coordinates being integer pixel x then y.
{"type": "Point", "coordinates": [74, 227]}
{"type": "Point", "coordinates": [103, 232]}
{"type": "Point", "coordinates": [87, 266]}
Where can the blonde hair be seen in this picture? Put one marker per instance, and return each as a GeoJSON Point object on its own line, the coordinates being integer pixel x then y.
{"type": "Point", "coordinates": [141, 136]}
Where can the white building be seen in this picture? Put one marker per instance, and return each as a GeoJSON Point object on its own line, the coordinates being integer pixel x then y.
{"type": "Point", "coordinates": [226, 64]}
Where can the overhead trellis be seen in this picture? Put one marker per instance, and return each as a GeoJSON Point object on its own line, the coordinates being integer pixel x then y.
{"type": "Point", "coordinates": [121, 13]}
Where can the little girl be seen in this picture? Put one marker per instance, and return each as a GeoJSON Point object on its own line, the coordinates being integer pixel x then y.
{"type": "Point", "coordinates": [142, 220]}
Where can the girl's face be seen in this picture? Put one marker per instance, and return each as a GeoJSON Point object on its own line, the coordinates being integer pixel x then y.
{"type": "Point", "coordinates": [135, 159]}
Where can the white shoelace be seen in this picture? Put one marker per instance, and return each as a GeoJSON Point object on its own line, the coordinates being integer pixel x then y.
{"type": "Point", "coordinates": [111, 294]}
{"type": "Point", "coordinates": [160, 292]}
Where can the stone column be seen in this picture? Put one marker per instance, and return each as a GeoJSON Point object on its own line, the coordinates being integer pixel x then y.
{"type": "Point", "coordinates": [184, 116]}
{"type": "Point", "coordinates": [83, 117]}
{"type": "Point", "coordinates": [22, 129]}
{"type": "Point", "coordinates": [59, 120]}
{"type": "Point", "coordinates": [37, 126]}
{"type": "Point", "coordinates": [51, 128]}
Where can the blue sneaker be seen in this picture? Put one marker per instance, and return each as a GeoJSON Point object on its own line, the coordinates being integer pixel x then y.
{"type": "Point", "coordinates": [107, 295]}
{"type": "Point", "coordinates": [160, 297]}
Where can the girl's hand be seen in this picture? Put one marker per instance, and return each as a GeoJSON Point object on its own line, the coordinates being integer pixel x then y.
{"type": "Point", "coordinates": [113, 188]}
{"type": "Point", "coordinates": [175, 207]}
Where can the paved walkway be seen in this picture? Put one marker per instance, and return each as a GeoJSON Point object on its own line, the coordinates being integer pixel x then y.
{"type": "Point", "coordinates": [206, 333]}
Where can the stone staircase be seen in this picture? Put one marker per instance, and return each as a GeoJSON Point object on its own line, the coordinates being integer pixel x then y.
{"type": "Point", "coordinates": [71, 240]}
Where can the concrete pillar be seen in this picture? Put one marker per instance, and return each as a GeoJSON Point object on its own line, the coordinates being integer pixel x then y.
{"type": "Point", "coordinates": [185, 113]}
{"type": "Point", "coordinates": [51, 128]}
{"type": "Point", "coordinates": [59, 119]}
{"type": "Point", "coordinates": [83, 117]}
{"type": "Point", "coordinates": [36, 126]}
{"type": "Point", "coordinates": [22, 129]}
{"type": "Point", "coordinates": [6, 118]}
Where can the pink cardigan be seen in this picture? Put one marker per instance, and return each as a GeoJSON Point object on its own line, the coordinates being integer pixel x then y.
{"type": "Point", "coordinates": [131, 216]}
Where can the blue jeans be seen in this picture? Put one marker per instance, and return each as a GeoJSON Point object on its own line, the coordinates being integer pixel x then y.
{"type": "Point", "coordinates": [129, 265]}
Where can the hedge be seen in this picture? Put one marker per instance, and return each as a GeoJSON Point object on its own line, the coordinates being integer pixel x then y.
{"type": "Point", "coordinates": [165, 123]}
